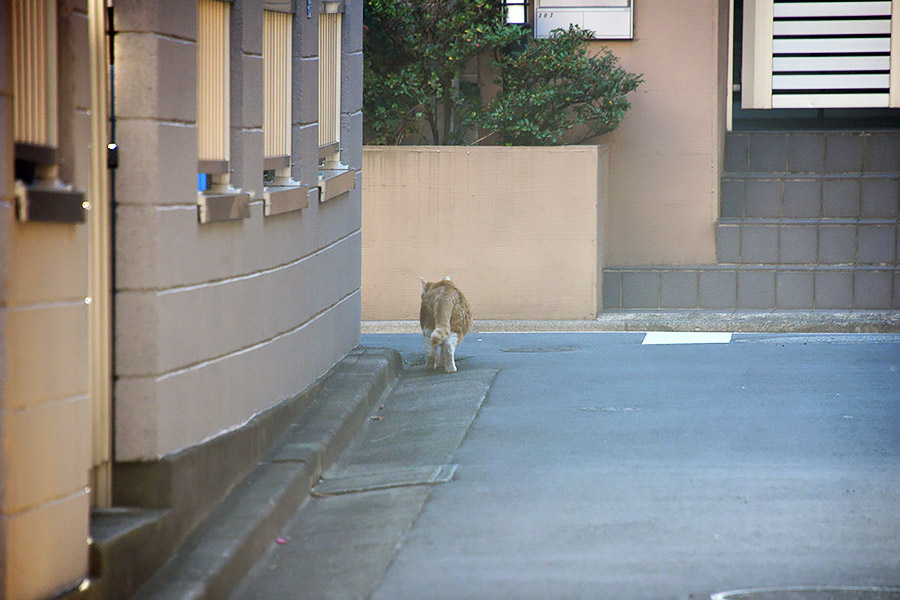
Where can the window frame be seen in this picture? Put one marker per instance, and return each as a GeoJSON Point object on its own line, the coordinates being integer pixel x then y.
{"type": "Point", "coordinates": [335, 178]}
{"type": "Point", "coordinates": [214, 91]}
{"type": "Point", "coordinates": [40, 195]}
{"type": "Point", "coordinates": [524, 5]}
{"type": "Point", "coordinates": [220, 202]}
{"type": "Point", "coordinates": [330, 50]}
{"type": "Point", "coordinates": [277, 101]}
{"type": "Point", "coordinates": [281, 194]}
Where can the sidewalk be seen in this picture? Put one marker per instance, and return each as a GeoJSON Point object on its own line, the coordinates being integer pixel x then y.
{"type": "Point", "coordinates": [342, 541]}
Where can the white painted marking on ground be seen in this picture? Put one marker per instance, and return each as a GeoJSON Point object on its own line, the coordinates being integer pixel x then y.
{"type": "Point", "coordinates": [686, 337]}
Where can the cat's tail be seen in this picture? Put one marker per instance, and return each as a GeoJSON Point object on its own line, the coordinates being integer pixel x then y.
{"type": "Point", "coordinates": [439, 335]}
{"type": "Point", "coordinates": [442, 310]}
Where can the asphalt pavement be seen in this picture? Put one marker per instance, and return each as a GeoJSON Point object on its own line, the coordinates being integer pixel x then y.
{"type": "Point", "coordinates": [595, 466]}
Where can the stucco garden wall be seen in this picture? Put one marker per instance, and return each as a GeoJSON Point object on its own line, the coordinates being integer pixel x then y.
{"type": "Point", "coordinates": [520, 230]}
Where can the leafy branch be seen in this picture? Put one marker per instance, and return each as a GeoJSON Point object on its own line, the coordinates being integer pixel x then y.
{"type": "Point", "coordinates": [555, 86]}
{"type": "Point", "coordinates": [415, 52]}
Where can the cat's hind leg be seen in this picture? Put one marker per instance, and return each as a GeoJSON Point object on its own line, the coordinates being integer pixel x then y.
{"type": "Point", "coordinates": [430, 351]}
{"type": "Point", "coordinates": [448, 352]}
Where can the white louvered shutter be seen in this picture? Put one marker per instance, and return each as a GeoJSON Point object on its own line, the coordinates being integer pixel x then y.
{"type": "Point", "coordinates": [826, 54]}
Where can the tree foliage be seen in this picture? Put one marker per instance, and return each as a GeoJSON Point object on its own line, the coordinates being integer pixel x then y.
{"type": "Point", "coordinates": [415, 51]}
{"type": "Point", "coordinates": [555, 86]}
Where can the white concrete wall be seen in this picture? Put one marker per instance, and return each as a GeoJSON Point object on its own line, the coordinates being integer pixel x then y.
{"type": "Point", "coordinates": [218, 322]}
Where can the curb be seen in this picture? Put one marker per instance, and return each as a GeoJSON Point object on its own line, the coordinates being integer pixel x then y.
{"type": "Point", "coordinates": [215, 556]}
{"type": "Point", "coordinates": [887, 321]}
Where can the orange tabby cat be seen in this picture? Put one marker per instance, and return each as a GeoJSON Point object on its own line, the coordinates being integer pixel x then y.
{"type": "Point", "coordinates": [445, 318]}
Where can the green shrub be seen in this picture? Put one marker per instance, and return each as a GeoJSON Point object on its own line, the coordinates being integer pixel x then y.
{"type": "Point", "coordinates": [553, 87]}
{"type": "Point", "coordinates": [414, 52]}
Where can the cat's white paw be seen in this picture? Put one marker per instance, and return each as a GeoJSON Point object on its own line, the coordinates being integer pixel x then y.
{"type": "Point", "coordinates": [450, 368]}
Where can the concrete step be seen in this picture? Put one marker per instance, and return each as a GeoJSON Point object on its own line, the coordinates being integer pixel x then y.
{"type": "Point", "coordinates": [125, 545]}
{"type": "Point", "coordinates": [823, 152]}
{"type": "Point", "coordinates": [846, 195]}
{"type": "Point", "coordinates": [752, 287]}
{"type": "Point", "coordinates": [203, 520]}
{"type": "Point", "coordinates": [213, 559]}
{"type": "Point", "coordinates": [848, 241]}
{"type": "Point", "coordinates": [220, 551]}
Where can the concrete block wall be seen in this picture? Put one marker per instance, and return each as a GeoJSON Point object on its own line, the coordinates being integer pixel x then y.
{"type": "Point", "coordinates": [218, 322]}
{"type": "Point", "coordinates": [45, 413]}
{"type": "Point", "coordinates": [351, 89]}
{"type": "Point", "coordinates": [750, 287]}
{"type": "Point", "coordinates": [809, 220]}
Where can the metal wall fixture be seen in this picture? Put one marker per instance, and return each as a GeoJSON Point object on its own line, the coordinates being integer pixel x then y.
{"type": "Point", "coordinates": [608, 19]}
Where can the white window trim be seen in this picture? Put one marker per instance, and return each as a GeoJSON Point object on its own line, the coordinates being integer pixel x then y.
{"type": "Point", "coordinates": [769, 81]}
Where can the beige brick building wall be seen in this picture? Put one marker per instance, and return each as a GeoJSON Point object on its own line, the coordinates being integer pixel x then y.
{"type": "Point", "coordinates": [215, 322]}
{"type": "Point", "coordinates": [45, 407]}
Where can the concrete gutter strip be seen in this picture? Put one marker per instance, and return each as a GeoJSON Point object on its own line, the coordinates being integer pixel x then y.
{"type": "Point", "coordinates": [812, 593]}
{"type": "Point", "coordinates": [690, 320]}
{"type": "Point", "coordinates": [221, 551]}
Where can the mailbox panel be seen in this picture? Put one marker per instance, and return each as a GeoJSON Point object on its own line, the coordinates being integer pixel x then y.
{"type": "Point", "coordinates": [608, 19]}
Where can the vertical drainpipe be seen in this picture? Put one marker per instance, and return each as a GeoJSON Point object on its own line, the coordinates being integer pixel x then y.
{"type": "Point", "coordinates": [100, 261]}
{"type": "Point", "coordinates": [113, 164]}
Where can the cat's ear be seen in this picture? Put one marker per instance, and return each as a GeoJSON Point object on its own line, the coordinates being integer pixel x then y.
{"type": "Point", "coordinates": [422, 279]}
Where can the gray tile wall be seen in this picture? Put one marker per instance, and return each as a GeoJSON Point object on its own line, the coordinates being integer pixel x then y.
{"type": "Point", "coordinates": [678, 289]}
{"type": "Point", "coordinates": [872, 289]}
{"type": "Point", "coordinates": [823, 196]}
{"type": "Point", "coordinates": [808, 221]}
{"type": "Point", "coordinates": [824, 242]}
{"type": "Point", "coordinates": [794, 289]}
{"type": "Point", "coordinates": [718, 289]}
{"type": "Point", "coordinates": [711, 287]}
